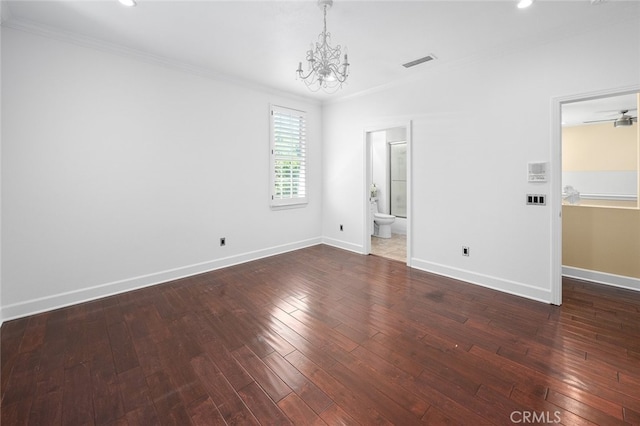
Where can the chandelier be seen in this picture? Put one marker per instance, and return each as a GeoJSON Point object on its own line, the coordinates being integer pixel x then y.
{"type": "Point", "coordinates": [327, 69]}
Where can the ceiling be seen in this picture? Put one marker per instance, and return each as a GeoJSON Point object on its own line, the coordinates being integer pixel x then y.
{"type": "Point", "coordinates": [607, 108]}
{"type": "Point", "coordinates": [260, 43]}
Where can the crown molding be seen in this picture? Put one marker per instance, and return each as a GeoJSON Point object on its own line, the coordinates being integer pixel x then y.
{"type": "Point", "coordinates": [113, 48]}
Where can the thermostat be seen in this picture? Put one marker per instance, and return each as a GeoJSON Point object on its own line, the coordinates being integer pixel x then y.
{"type": "Point", "coordinates": [537, 172]}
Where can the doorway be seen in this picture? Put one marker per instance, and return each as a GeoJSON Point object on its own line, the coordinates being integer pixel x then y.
{"type": "Point", "coordinates": [560, 194]}
{"type": "Point", "coordinates": [388, 190]}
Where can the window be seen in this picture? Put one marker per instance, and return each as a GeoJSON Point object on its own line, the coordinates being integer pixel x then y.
{"type": "Point", "coordinates": [288, 157]}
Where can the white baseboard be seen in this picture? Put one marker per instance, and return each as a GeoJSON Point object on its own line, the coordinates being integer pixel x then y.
{"type": "Point", "coordinates": [629, 283]}
{"type": "Point", "coordinates": [356, 248]}
{"type": "Point", "coordinates": [495, 283]}
{"type": "Point", "coordinates": [35, 306]}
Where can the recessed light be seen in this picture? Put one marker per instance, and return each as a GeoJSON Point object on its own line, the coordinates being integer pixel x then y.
{"type": "Point", "coordinates": [524, 3]}
{"type": "Point", "coordinates": [128, 3]}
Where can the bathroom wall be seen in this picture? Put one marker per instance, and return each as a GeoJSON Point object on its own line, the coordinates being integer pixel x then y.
{"type": "Point", "coordinates": [380, 168]}
{"type": "Point", "coordinates": [398, 134]}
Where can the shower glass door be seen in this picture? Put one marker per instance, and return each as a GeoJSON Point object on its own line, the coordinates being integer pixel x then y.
{"type": "Point", "coordinates": [398, 177]}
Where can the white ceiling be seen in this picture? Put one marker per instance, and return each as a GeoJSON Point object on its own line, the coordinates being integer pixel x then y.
{"type": "Point", "coordinates": [607, 108]}
{"type": "Point", "coordinates": [261, 42]}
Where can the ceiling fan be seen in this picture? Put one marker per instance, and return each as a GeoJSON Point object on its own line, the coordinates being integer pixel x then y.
{"type": "Point", "coordinates": [623, 120]}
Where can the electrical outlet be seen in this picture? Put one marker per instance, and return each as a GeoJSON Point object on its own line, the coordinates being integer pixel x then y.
{"type": "Point", "coordinates": [341, 227]}
{"type": "Point", "coordinates": [465, 251]}
{"type": "Point", "coordinates": [223, 242]}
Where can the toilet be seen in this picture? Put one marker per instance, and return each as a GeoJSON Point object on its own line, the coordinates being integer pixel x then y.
{"type": "Point", "coordinates": [381, 222]}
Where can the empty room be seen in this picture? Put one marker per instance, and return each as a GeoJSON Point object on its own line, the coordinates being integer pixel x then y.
{"type": "Point", "coordinates": [320, 212]}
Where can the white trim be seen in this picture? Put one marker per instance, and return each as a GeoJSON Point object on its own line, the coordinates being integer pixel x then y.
{"type": "Point", "coordinates": [4, 14]}
{"type": "Point", "coordinates": [344, 245]}
{"type": "Point", "coordinates": [488, 281]}
{"type": "Point", "coordinates": [555, 198]}
{"type": "Point", "coordinates": [366, 207]}
{"type": "Point", "coordinates": [614, 197]}
{"type": "Point", "coordinates": [621, 281]}
{"type": "Point", "coordinates": [48, 303]}
{"type": "Point", "coordinates": [556, 179]}
{"type": "Point", "coordinates": [410, 214]}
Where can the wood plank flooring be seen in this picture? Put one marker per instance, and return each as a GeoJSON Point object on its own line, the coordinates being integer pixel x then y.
{"type": "Point", "coordinates": [323, 336]}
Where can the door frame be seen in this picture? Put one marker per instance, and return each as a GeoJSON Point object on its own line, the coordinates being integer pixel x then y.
{"type": "Point", "coordinates": [556, 177]}
{"type": "Point", "coordinates": [366, 209]}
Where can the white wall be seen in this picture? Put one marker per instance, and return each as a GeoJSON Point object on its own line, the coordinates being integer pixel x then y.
{"type": "Point", "coordinates": [475, 126]}
{"type": "Point", "coordinates": [119, 173]}
{"type": "Point", "coordinates": [2, 6]}
{"type": "Point", "coordinates": [603, 183]}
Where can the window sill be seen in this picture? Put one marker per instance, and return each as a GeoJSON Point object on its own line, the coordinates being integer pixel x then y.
{"type": "Point", "coordinates": [289, 206]}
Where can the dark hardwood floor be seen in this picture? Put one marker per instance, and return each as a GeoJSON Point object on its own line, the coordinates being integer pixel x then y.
{"type": "Point", "coordinates": [324, 336]}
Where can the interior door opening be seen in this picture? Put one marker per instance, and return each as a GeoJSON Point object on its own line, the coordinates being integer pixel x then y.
{"type": "Point", "coordinates": [388, 192]}
{"type": "Point", "coordinates": [584, 185]}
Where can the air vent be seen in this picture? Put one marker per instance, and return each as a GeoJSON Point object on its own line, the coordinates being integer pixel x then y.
{"type": "Point", "coordinates": [419, 61]}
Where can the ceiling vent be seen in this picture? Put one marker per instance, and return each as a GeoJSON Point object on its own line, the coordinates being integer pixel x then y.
{"type": "Point", "coordinates": [419, 61]}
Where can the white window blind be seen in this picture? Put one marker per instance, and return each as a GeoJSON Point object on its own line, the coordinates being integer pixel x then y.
{"type": "Point", "coordinates": [288, 157]}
